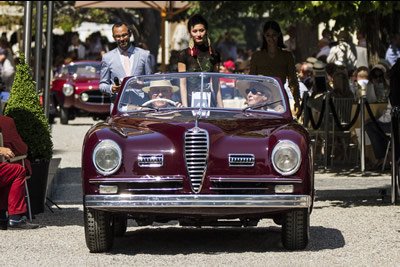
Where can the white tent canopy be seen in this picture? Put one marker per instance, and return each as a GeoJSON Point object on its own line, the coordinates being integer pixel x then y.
{"type": "Point", "coordinates": [87, 28]}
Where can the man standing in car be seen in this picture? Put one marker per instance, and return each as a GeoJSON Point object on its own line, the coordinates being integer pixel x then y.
{"type": "Point", "coordinates": [125, 60]}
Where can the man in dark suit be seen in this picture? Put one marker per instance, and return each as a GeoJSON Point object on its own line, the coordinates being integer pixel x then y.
{"type": "Point", "coordinates": [125, 60]}
{"type": "Point", "coordinates": [12, 179]}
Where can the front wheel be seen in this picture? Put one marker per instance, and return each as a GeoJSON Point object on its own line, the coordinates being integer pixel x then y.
{"type": "Point", "coordinates": [99, 230]}
{"type": "Point", "coordinates": [296, 229]}
{"type": "Point", "coordinates": [64, 116]}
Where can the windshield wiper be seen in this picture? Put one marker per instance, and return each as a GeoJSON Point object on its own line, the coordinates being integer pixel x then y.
{"type": "Point", "coordinates": [260, 105]}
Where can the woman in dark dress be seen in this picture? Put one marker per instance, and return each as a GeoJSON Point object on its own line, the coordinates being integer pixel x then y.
{"type": "Point", "coordinates": [273, 61]}
{"type": "Point", "coordinates": [198, 57]}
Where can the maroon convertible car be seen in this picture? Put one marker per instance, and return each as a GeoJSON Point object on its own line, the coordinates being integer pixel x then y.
{"type": "Point", "coordinates": [229, 154]}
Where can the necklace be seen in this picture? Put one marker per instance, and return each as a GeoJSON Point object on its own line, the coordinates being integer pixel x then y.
{"type": "Point", "coordinates": [198, 62]}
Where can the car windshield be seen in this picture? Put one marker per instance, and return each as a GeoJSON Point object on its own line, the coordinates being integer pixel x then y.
{"type": "Point", "coordinates": [202, 90]}
{"type": "Point", "coordinates": [87, 69]}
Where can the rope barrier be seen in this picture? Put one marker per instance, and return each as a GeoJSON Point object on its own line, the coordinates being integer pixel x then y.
{"type": "Point", "coordinates": [336, 119]}
{"type": "Point", "coordinates": [321, 116]}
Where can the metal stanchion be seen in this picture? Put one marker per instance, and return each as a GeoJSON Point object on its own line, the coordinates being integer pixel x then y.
{"type": "Point", "coordinates": [394, 171]}
{"type": "Point", "coordinates": [395, 154]}
{"type": "Point", "coordinates": [362, 102]}
{"type": "Point", "coordinates": [326, 129]}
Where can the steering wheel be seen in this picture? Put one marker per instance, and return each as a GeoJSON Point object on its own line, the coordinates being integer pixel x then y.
{"type": "Point", "coordinates": [159, 99]}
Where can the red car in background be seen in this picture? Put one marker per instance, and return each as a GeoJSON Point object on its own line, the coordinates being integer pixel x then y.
{"type": "Point", "coordinates": [75, 92]}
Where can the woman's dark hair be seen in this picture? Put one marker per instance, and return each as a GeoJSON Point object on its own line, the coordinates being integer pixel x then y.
{"type": "Point", "coordinates": [275, 26]}
{"type": "Point", "coordinates": [196, 19]}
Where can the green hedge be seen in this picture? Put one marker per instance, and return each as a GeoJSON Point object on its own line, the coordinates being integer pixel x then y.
{"type": "Point", "coordinates": [25, 108]}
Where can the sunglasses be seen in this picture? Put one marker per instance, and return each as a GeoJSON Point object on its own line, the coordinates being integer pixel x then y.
{"type": "Point", "coordinates": [157, 91]}
{"type": "Point", "coordinates": [121, 36]}
{"type": "Point", "coordinates": [253, 91]}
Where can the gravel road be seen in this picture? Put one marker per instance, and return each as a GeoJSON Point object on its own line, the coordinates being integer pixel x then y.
{"type": "Point", "coordinates": [351, 225]}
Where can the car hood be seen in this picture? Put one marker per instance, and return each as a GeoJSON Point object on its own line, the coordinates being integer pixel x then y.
{"type": "Point", "coordinates": [78, 80]}
{"type": "Point", "coordinates": [248, 124]}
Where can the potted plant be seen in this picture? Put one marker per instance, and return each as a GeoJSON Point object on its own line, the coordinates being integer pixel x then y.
{"type": "Point", "coordinates": [33, 127]}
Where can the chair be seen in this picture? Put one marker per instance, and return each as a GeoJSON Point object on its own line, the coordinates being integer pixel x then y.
{"type": "Point", "coordinates": [15, 159]}
{"type": "Point", "coordinates": [343, 107]}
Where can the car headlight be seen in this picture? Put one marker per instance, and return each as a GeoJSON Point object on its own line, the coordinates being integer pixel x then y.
{"type": "Point", "coordinates": [286, 157]}
{"type": "Point", "coordinates": [67, 89]}
{"type": "Point", "coordinates": [107, 157]}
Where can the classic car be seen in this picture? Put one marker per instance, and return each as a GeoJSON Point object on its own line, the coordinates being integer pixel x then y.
{"type": "Point", "coordinates": [215, 159]}
{"type": "Point", "coordinates": [75, 92]}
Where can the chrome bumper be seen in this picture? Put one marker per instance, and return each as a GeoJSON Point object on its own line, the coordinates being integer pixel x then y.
{"type": "Point", "coordinates": [198, 201]}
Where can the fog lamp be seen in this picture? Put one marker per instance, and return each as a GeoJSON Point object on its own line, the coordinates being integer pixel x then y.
{"type": "Point", "coordinates": [84, 97]}
{"type": "Point", "coordinates": [108, 189]}
{"type": "Point", "coordinates": [284, 189]}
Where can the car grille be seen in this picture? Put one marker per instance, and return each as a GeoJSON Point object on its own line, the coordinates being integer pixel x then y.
{"type": "Point", "coordinates": [96, 97]}
{"type": "Point", "coordinates": [150, 160]}
{"type": "Point", "coordinates": [196, 155]}
{"type": "Point", "coordinates": [241, 160]}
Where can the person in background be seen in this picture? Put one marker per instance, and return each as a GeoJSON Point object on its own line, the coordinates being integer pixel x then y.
{"type": "Point", "coordinates": [343, 53]}
{"type": "Point", "coordinates": [273, 61]}
{"type": "Point", "coordinates": [378, 79]}
{"type": "Point", "coordinates": [362, 81]}
{"type": "Point", "coordinates": [362, 53]}
{"type": "Point", "coordinates": [198, 57]}
{"type": "Point", "coordinates": [125, 60]}
{"type": "Point", "coordinates": [341, 86]}
{"type": "Point", "coordinates": [291, 42]}
{"type": "Point", "coordinates": [227, 47]}
{"type": "Point", "coordinates": [324, 48]}
{"type": "Point", "coordinates": [7, 70]}
{"type": "Point", "coordinates": [393, 52]}
{"type": "Point", "coordinates": [77, 47]}
{"type": "Point", "coordinates": [306, 74]}
{"type": "Point", "coordinates": [330, 69]}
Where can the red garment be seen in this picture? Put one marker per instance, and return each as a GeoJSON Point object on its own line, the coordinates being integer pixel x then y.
{"type": "Point", "coordinates": [13, 175]}
{"type": "Point", "coordinates": [13, 141]}
{"type": "Point", "coordinates": [12, 188]}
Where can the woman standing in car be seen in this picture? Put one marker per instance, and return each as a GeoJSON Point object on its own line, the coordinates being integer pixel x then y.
{"type": "Point", "coordinates": [198, 57]}
{"type": "Point", "coordinates": [273, 61]}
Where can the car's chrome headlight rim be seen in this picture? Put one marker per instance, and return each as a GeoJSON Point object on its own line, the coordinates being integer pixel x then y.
{"type": "Point", "coordinates": [291, 152]}
{"type": "Point", "coordinates": [107, 157]}
{"type": "Point", "coordinates": [67, 89]}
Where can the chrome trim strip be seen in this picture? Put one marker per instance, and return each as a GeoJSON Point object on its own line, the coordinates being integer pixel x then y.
{"type": "Point", "coordinates": [155, 189]}
{"type": "Point", "coordinates": [255, 180]}
{"type": "Point", "coordinates": [156, 179]}
{"type": "Point", "coordinates": [238, 188]}
{"type": "Point", "coordinates": [197, 201]}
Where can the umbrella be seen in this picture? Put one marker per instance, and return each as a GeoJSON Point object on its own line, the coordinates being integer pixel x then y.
{"type": "Point", "coordinates": [166, 9]}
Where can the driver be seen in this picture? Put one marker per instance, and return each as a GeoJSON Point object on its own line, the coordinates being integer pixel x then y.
{"type": "Point", "coordinates": [161, 89]}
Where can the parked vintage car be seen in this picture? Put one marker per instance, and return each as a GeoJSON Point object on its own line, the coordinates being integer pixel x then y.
{"type": "Point", "coordinates": [75, 92]}
{"type": "Point", "coordinates": [228, 159]}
